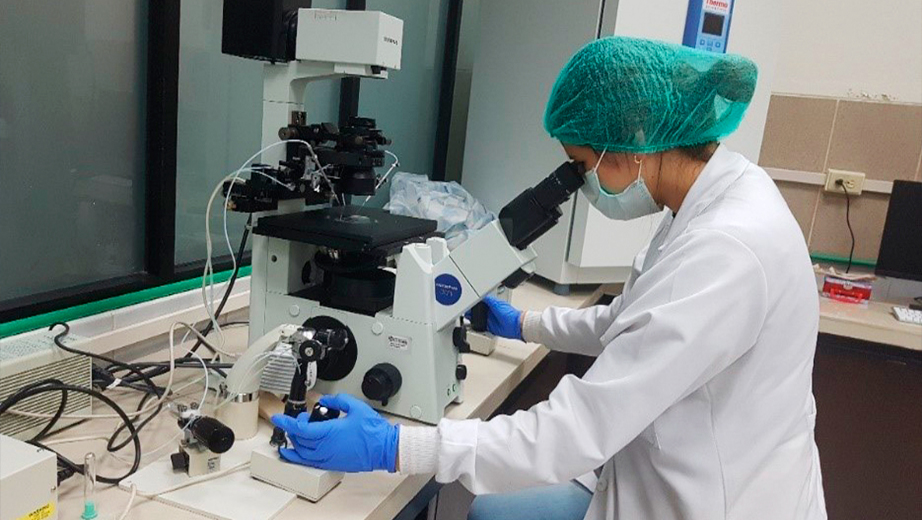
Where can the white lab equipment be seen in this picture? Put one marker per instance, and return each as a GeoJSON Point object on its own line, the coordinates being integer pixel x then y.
{"type": "Point", "coordinates": [386, 279]}
{"type": "Point", "coordinates": [514, 70]}
{"type": "Point", "coordinates": [707, 25]}
{"type": "Point", "coordinates": [28, 481]}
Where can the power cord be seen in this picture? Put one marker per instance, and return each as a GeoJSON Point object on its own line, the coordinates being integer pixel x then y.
{"type": "Point", "coordinates": [112, 362]}
{"type": "Point", "coordinates": [150, 390]}
{"type": "Point", "coordinates": [848, 222]}
{"type": "Point", "coordinates": [156, 371]}
{"type": "Point", "coordinates": [67, 467]}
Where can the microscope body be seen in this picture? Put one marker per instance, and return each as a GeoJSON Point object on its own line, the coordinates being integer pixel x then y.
{"type": "Point", "coordinates": [389, 281]}
{"type": "Point", "coordinates": [404, 359]}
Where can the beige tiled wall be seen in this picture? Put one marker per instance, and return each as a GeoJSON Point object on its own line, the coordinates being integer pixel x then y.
{"type": "Point", "coordinates": [813, 134]}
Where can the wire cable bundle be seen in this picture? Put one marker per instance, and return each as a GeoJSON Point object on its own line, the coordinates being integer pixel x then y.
{"type": "Point", "coordinates": [139, 376]}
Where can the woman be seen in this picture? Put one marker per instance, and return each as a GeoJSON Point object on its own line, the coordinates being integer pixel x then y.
{"type": "Point", "coordinates": [699, 403]}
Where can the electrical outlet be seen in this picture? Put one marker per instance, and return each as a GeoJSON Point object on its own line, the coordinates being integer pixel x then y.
{"type": "Point", "coordinates": [853, 181]}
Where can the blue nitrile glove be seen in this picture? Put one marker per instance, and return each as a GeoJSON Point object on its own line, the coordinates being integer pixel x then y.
{"type": "Point", "coordinates": [503, 319]}
{"type": "Point", "coordinates": [360, 441]}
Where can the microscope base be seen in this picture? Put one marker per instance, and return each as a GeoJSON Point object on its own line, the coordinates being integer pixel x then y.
{"type": "Point", "coordinates": [309, 483]}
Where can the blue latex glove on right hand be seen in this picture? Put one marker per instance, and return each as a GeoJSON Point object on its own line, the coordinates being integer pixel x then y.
{"type": "Point", "coordinates": [503, 319]}
{"type": "Point", "coordinates": [360, 441]}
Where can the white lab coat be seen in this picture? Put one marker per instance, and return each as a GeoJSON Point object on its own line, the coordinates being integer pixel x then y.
{"type": "Point", "coordinates": [699, 404]}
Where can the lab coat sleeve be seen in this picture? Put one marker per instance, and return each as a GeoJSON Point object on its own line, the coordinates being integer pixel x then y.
{"type": "Point", "coordinates": [576, 331]}
{"type": "Point", "coordinates": [689, 317]}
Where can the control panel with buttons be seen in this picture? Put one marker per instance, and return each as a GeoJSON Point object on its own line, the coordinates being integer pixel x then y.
{"type": "Point", "coordinates": [707, 25]}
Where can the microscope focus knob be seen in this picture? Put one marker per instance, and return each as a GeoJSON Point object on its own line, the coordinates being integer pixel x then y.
{"type": "Point", "coordinates": [381, 382]}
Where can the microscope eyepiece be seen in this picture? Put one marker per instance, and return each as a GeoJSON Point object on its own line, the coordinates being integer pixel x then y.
{"type": "Point", "coordinates": [537, 209]}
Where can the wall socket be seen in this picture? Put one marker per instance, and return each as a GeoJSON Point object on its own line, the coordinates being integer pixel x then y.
{"type": "Point", "coordinates": [853, 181]}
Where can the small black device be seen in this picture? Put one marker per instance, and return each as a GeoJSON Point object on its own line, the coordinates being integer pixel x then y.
{"type": "Point", "coordinates": [212, 433]}
{"type": "Point", "coordinates": [311, 346]}
{"type": "Point", "coordinates": [261, 29]}
{"type": "Point", "coordinates": [351, 151]}
{"type": "Point", "coordinates": [204, 440]}
{"type": "Point", "coordinates": [321, 413]}
{"type": "Point", "coordinates": [900, 254]}
{"type": "Point", "coordinates": [349, 155]}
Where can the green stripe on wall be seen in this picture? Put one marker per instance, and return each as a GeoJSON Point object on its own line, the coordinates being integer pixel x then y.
{"type": "Point", "coordinates": [110, 304]}
{"type": "Point", "coordinates": [820, 257]}
{"type": "Point", "coordinates": [118, 302]}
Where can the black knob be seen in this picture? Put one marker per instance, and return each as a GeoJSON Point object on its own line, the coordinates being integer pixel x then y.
{"type": "Point", "coordinates": [459, 338]}
{"type": "Point", "coordinates": [461, 372]}
{"type": "Point", "coordinates": [322, 413]}
{"type": "Point", "coordinates": [279, 439]}
{"type": "Point", "coordinates": [381, 382]}
{"type": "Point", "coordinates": [180, 461]}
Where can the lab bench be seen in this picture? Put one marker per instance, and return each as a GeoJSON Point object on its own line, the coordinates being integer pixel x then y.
{"type": "Point", "coordinates": [491, 381]}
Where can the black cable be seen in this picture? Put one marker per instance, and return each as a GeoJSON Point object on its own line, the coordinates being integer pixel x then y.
{"type": "Point", "coordinates": [110, 444]}
{"type": "Point", "coordinates": [52, 385]}
{"type": "Point", "coordinates": [156, 369]}
{"type": "Point", "coordinates": [57, 415]}
{"type": "Point", "coordinates": [230, 287]}
{"type": "Point", "coordinates": [179, 363]}
{"type": "Point", "coordinates": [105, 380]}
{"type": "Point", "coordinates": [848, 222]}
{"type": "Point", "coordinates": [217, 368]}
{"type": "Point", "coordinates": [151, 389]}
{"type": "Point", "coordinates": [63, 473]}
{"type": "Point", "coordinates": [57, 341]}
{"type": "Point", "coordinates": [234, 323]}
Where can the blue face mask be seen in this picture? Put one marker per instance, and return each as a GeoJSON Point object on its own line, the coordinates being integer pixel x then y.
{"type": "Point", "coordinates": [633, 202]}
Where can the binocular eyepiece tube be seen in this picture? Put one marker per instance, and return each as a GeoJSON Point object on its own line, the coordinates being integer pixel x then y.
{"type": "Point", "coordinates": [536, 210]}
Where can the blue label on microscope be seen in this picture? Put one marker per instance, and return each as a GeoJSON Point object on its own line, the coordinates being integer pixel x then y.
{"type": "Point", "coordinates": [447, 289]}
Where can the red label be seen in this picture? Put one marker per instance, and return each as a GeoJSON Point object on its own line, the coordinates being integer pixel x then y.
{"type": "Point", "coordinates": [721, 6]}
{"type": "Point", "coordinates": [846, 290]}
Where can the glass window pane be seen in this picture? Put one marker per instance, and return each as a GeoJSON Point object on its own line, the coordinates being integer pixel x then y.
{"type": "Point", "coordinates": [220, 123]}
{"type": "Point", "coordinates": [406, 105]}
{"type": "Point", "coordinates": [72, 142]}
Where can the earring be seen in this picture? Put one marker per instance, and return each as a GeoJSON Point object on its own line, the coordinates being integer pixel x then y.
{"type": "Point", "coordinates": [636, 160]}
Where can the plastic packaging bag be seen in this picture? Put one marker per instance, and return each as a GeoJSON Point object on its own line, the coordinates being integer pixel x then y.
{"type": "Point", "coordinates": [457, 212]}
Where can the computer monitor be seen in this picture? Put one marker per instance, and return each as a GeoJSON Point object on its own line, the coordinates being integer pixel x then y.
{"type": "Point", "coordinates": [901, 245]}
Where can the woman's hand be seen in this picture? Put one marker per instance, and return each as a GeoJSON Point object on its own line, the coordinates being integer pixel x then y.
{"type": "Point", "coordinates": [503, 319]}
{"type": "Point", "coordinates": [360, 441]}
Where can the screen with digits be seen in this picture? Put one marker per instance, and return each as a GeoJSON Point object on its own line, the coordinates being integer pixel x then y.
{"type": "Point", "coordinates": [713, 24]}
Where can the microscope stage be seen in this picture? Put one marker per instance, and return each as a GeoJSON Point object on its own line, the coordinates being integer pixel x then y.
{"type": "Point", "coordinates": [349, 228]}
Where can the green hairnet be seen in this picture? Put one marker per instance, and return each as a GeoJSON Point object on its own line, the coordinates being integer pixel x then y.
{"type": "Point", "coordinates": [641, 96]}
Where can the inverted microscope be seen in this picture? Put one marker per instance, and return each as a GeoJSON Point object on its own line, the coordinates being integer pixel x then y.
{"type": "Point", "coordinates": [344, 297]}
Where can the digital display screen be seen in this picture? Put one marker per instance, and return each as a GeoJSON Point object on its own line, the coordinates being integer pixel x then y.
{"type": "Point", "coordinates": [713, 24]}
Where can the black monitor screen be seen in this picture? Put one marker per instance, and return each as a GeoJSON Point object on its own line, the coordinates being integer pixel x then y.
{"type": "Point", "coordinates": [713, 24]}
{"type": "Point", "coordinates": [901, 245]}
